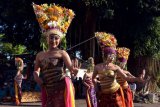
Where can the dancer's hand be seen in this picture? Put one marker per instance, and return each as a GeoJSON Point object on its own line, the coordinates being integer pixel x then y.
{"type": "Point", "coordinates": [88, 87]}
{"type": "Point", "coordinates": [139, 79]}
{"type": "Point", "coordinates": [76, 66]}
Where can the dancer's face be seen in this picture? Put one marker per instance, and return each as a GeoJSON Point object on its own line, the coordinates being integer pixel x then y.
{"type": "Point", "coordinates": [122, 64]}
{"type": "Point", "coordinates": [109, 57]}
{"type": "Point", "coordinates": [53, 40]}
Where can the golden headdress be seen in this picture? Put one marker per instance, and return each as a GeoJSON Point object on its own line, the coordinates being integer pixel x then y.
{"type": "Point", "coordinates": [53, 17]}
{"type": "Point", "coordinates": [107, 42]}
{"type": "Point", "coordinates": [123, 53]}
{"type": "Point", "coordinates": [106, 39]}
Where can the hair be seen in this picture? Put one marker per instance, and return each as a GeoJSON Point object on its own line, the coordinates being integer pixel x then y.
{"type": "Point", "coordinates": [91, 60]}
{"type": "Point", "coordinates": [90, 67]}
{"type": "Point", "coordinates": [19, 63]}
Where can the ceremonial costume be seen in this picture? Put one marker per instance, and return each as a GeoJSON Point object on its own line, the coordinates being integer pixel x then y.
{"type": "Point", "coordinates": [110, 93]}
{"type": "Point", "coordinates": [91, 99]}
{"type": "Point", "coordinates": [57, 89]}
{"type": "Point", "coordinates": [122, 57]}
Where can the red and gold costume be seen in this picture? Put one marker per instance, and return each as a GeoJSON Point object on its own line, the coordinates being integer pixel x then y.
{"type": "Point", "coordinates": [110, 93]}
{"type": "Point", "coordinates": [57, 90]}
{"type": "Point", "coordinates": [122, 56]}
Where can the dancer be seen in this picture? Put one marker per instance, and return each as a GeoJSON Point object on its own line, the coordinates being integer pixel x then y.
{"type": "Point", "coordinates": [110, 93]}
{"type": "Point", "coordinates": [57, 89]}
{"type": "Point", "coordinates": [122, 57]}
{"type": "Point", "coordinates": [18, 80]}
{"type": "Point", "coordinates": [87, 81]}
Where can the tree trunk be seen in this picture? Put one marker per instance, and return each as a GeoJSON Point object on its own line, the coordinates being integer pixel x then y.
{"type": "Point", "coordinates": [152, 67]}
{"type": "Point", "coordinates": [89, 29]}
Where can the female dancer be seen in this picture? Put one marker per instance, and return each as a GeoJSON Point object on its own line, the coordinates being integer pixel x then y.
{"type": "Point", "coordinates": [110, 93]}
{"type": "Point", "coordinates": [122, 57]}
{"type": "Point", "coordinates": [57, 89]}
{"type": "Point", "coordinates": [18, 80]}
{"type": "Point", "coordinates": [87, 81]}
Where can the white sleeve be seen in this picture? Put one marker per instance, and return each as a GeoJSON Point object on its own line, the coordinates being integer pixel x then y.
{"type": "Point", "coordinates": [22, 77]}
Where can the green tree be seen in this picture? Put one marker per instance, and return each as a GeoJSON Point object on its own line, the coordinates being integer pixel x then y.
{"type": "Point", "coordinates": [147, 40]}
{"type": "Point", "coordinates": [19, 49]}
{"type": "Point", "coordinates": [8, 48]}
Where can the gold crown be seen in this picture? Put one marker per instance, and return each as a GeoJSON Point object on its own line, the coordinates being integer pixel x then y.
{"type": "Point", "coordinates": [53, 17]}
{"type": "Point", "coordinates": [123, 52]}
{"type": "Point", "coordinates": [106, 39]}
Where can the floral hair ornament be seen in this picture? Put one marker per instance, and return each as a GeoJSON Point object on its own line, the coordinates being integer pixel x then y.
{"type": "Point", "coordinates": [107, 42]}
{"type": "Point", "coordinates": [123, 54]}
{"type": "Point", "coordinates": [53, 17]}
{"type": "Point", "coordinates": [106, 39]}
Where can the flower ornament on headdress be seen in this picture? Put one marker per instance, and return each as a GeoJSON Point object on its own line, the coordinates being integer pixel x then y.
{"type": "Point", "coordinates": [53, 17]}
{"type": "Point", "coordinates": [123, 54]}
{"type": "Point", "coordinates": [106, 41]}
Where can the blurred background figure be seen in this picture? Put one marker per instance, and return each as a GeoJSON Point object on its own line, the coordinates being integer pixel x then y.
{"type": "Point", "coordinates": [18, 80]}
{"type": "Point", "coordinates": [91, 99]}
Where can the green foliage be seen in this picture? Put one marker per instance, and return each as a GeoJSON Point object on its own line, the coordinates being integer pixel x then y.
{"type": "Point", "coordinates": [1, 36]}
{"type": "Point", "coordinates": [147, 42]}
{"type": "Point", "coordinates": [19, 49]}
{"type": "Point", "coordinates": [63, 44]}
{"type": "Point", "coordinates": [43, 43]}
{"type": "Point", "coordinates": [8, 48]}
{"type": "Point", "coordinates": [148, 6]}
{"type": "Point", "coordinates": [139, 6]}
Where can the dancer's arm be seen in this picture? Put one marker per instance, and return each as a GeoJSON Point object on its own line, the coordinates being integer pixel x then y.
{"type": "Point", "coordinates": [37, 71]}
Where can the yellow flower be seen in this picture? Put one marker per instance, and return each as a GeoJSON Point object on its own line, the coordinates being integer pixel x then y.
{"type": "Point", "coordinates": [48, 13]}
{"type": "Point", "coordinates": [123, 52]}
{"type": "Point", "coordinates": [37, 7]}
{"type": "Point", "coordinates": [54, 18]}
{"type": "Point", "coordinates": [41, 20]}
{"type": "Point", "coordinates": [64, 29]}
{"type": "Point", "coordinates": [66, 24]}
{"type": "Point", "coordinates": [46, 26]}
{"type": "Point", "coordinates": [71, 13]}
{"type": "Point", "coordinates": [50, 10]}
{"type": "Point", "coordinates": [59, 9]}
